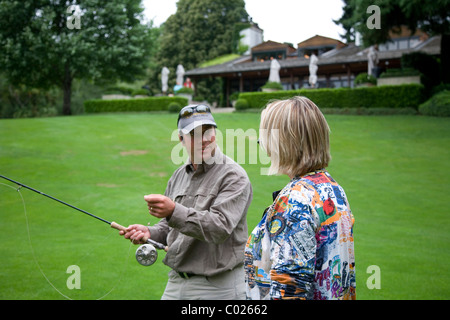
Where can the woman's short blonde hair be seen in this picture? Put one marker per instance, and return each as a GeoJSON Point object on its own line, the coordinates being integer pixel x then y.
{"type": "Point", "coordinates": [295, 135]}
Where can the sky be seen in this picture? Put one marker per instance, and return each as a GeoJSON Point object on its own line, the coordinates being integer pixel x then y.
{"type": "Point", "coordinates": [282, 20]}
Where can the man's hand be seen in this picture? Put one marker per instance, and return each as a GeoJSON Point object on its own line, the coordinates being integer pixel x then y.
{"type": "Point", "coordinates": [137, 233]}
{"type": "Point", "coordinates": [160, 206]}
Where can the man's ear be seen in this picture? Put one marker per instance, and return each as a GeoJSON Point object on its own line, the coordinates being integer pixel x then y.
{"type": "Point", "coordinates": [181, 138]}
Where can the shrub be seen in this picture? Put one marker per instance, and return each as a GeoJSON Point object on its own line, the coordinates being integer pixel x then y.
{"type": "Point", "coordinates": [400, 72]}
{"type": "Point", "coordinates": [234, 96]}
{"type": "Point", "coordinates": [401, 96]}
{"type": "Point", "coordinates": [142, 104]}
{"type": "Point", "coordinates": [241, 104]}
{"type": "Point", "coordinates": [365, 78]}
{"type": "Point", "coordinates": [370, 111]}
{"type": "Point", "coordinates": [429, 66]}
{"type": "Point", "coordinates": [118, 89]}
{"type": "Point", "coordinates": [139, 92]}
{"type": "Point", "coordinates": [185, 90]}
{"type": "Point", "coordinates": [272, 85]}
{"type": "Point", "coordinates": [199, 98]}
{"type": "Point", "coordinates": [174, 107]}
{"type": "Point", "coordinates": [438, 105]}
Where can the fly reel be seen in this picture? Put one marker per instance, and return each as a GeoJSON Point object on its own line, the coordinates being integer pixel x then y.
{"type": "Point", "coordinates": [146, 254]}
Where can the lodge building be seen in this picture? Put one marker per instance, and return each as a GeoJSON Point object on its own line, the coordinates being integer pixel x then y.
{"type": "Point", "coordinates": [339, 63]}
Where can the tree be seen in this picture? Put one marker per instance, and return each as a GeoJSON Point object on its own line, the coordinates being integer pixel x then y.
{"type": "Point", "coordinates": [431, 16]}
{"type": "Point", "coordinates": [347, 21]}
{"type": "Point", "coordinates": [49, 43]}
{"type": "Point", "coordinates": [200, 30]}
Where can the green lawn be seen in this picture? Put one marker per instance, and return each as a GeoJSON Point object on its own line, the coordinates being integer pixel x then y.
{"type": "Point", "coordinates": [395, 170]}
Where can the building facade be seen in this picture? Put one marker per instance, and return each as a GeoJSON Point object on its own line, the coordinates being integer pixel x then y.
{"type": "Point", "coordinates": [338, 65]}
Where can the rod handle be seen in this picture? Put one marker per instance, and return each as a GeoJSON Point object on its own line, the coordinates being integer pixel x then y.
{"type": "Point", "coordinates": [119, 227]}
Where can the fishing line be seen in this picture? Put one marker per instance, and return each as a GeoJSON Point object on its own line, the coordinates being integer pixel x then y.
{"type": "Point", "coordinates": [37, 262]}
{"type": "Point", "coordinates": [112, 224]}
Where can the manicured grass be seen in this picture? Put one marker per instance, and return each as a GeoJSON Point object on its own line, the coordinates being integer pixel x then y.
{"type": "Point", "coordinates": [394, 169]}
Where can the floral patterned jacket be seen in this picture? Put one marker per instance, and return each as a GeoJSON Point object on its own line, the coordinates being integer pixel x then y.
{"type": "Point", "coordinates": [303, 247]}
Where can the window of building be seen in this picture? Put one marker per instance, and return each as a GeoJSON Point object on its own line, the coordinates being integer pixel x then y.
{"type": "Point", "coordinates": [264, 56]}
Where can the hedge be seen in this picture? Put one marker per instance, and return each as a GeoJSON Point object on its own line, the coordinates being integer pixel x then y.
{"type": "Point", "coordinates": [438, 105]}
{"type": "Point", "coordinates": [401, 96]}
{"type": "Point", "coordinates": [138, 104]}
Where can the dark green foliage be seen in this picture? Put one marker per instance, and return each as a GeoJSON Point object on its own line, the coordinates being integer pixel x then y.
{"type": "Point", "coordinates": [199, 31]}
{"type": "Point", "coordinates": [135, 105]}
{"type": "Point", "coordinates": [400, 72]}
{"type": "Point", "coordinates": [365, 78]}
{"type": "Point", "coordinates": [39, 50]}
{"type": "Point", "coordinates": [402, 96]}
{"type": "Point", "coordinates": [429, 67]}
{"type": "Point", "coordinates": [174, 107]}
{"type": "Point", "coordinates": [241, 104]}
{"type": "Point", "coordinates": [430, 16]}
{"type": "Point", "coordinates": [438, 105]}
{"type": "Point", "coordinates": [139, 92]}
{"type": "Point", "coordinates": [272, 85]}
{"type": "Point", "coordinates": [185, 90]}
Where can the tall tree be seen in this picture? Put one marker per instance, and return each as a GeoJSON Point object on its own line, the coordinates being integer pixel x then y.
{"type": "Point", "coordinates": [431, 16]}
{"type": "Point", "coordinates": [347, 21]}
{"type": "Point", "coordinates": [51, 42]}
{"type": "Point", "coordinates": [200, 30]}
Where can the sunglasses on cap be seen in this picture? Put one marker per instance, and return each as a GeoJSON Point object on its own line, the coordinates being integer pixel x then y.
{"type": "Point", "coordinates": [188, 111]}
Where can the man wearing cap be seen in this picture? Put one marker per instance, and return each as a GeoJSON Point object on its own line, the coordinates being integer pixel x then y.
{"type": "Point", "coordinates": [203, 216]}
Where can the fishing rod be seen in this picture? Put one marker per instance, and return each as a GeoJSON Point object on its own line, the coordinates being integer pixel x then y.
{"type": "Point", "coordinates": [146, 254]}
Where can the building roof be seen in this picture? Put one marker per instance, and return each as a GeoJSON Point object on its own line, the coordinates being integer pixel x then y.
{"type": "Point", "coordinates": [338, 57]}
{"type": "Point", "coordinates": [319, 41]}
{"type": "Point", "coordinates": [271, 46]}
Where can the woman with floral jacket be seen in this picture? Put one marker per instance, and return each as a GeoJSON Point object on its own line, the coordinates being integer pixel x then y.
{"type": "Point", "coordinates": [303, 247]}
